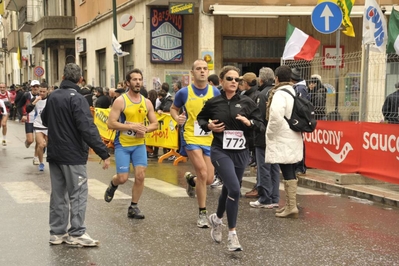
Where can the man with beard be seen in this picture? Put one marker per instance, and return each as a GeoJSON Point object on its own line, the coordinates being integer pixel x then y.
{"type": "Point", "coordinates": [132, 116]}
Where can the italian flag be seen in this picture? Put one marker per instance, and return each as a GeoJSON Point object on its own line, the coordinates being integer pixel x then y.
{"type": "Point", "coordinates": [299, 45]}
{"type": "Point", "coordinates": [393, 32]}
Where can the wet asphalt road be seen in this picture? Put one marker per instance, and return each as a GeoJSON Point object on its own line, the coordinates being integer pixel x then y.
{"type": "Point", "coordinates": [331, 229]}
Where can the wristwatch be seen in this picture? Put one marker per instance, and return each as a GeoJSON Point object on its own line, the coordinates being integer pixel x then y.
{"type": "Point", "coordinates": [252, 122]}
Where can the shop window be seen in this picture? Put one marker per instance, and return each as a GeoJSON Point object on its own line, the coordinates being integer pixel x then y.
{"type": "Point", "coordinates": [102, 67]}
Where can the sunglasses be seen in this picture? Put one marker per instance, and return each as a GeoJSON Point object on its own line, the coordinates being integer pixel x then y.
{"type": "Point", "coordinates": [231, 79]}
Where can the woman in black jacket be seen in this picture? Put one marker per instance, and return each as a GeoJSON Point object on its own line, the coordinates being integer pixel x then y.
{"type": "Point", "coordinates": [231, 118]}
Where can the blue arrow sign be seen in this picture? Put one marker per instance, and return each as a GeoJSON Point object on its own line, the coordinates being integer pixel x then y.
{"type": "Point", "coordinates": [326, 17]}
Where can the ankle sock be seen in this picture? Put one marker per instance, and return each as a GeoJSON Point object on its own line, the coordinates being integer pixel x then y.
{"type": "Point", "coordinates": [231, 233]}
{"type": "Point", "coordinates": [112, 184]}
{"type": "Point", "coordinates": [133, 204]}
{"type": "Point", "coordinates": [202, 210]}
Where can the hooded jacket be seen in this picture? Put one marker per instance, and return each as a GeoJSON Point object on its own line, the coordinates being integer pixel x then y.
{"type": "Point", "coordinates": [71, 130]}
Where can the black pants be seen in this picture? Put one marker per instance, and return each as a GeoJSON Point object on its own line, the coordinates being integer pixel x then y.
{"type": "Point", "coordinates": [288, 171]}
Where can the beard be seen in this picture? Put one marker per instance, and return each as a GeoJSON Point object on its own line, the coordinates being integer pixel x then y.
{"type": "Point", "coordinates": [136, 90]}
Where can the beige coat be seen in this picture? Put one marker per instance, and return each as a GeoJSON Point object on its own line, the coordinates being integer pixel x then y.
{"type": "Point", "coordinates": [283, 145]}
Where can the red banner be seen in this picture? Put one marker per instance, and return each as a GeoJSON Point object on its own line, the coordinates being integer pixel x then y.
{"type": "Point", "coordinates": [370, 149]}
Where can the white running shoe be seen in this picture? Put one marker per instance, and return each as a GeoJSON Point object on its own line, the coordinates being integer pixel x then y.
{"type": "Point", "coordinates": [233, 243]}
{"type": "Point", "coordinates": [4, 142]}
{"type": "Point", "coordinates": [84, 240]}
{"type": "Point", "coordinates": [36, 161]}
{"type": "Point", "coordinates": [202, 221]}
{"type": "Point", "coordinates": [257, 204]}
{"type": "Point", "coordinates": [58, 239]}
{"type": "Point", "coordinates": [217, 182]}
{"type": "Point", "coordinates": [216, 228]}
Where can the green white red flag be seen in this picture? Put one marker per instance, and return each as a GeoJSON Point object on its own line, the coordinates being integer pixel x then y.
{"type": "Point", "coordinates": [299, 45]}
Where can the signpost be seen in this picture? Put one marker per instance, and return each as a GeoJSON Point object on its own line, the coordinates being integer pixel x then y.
{"type": "Point", "coordinates": [39, 71]}
{"type": "Point", "coordinates": [326, 17]}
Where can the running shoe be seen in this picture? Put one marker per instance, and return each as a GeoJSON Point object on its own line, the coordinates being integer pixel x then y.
{"type": "Point", "coordinates": [257, 204]}
{"type": "Point", "coordinates": [190, 189]}
{"type": "Point", "coordinates": [135, 213]}
{"type": "Point", "coordinates": [4, 142]}
{"type": "Point", "coordinates": [58, 239]}
{"type": "Point", "coordinates": [172, 158]}
{"type": "Point", "coordinates": [109, 192]}
{"type": "Point", "coordinates": [202, 221]}
{"type": "Point", "coordinates": [36, 161]}
{"type": "Point", "coordinates": [216, 228]}
{"type": "Point", "coordinates": [41, 167]}
{"type": "Point", "coordinates": [84, 240]}
{"type": "Point", "coordinates": [217, 182]}
{"type": "Point", "coordinates": [233, 244]}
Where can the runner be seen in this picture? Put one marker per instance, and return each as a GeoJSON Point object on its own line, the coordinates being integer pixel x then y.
{"type": "Point", "coordinates": [5, 97]}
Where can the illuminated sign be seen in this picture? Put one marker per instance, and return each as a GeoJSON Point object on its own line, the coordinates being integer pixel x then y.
{"type": "Point", "coordinates": [181, 8]}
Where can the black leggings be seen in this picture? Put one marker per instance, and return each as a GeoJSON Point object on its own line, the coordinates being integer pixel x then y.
{"type": "Point", "coordinates": [288, 171]}
{"type": "Point", "coordinates": [230, 167]}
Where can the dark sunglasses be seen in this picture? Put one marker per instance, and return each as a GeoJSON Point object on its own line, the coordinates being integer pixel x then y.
{"type": "Point", "coordinates": [231, 79]}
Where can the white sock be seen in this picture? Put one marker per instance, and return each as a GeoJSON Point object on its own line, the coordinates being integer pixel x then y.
{"type": "Point", "coordinates": [4, 137]}
{"type": "Point", "coordinates": [231, 233]}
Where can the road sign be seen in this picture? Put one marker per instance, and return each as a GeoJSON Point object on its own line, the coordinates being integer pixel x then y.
{"type": "Point", "coordinates": [39, 71]}
{"type": "Point", "coordinates": [326, 17]}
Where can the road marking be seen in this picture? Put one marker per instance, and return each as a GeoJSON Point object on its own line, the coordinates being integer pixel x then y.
{"type": "Point", "coordinates": [164, 188]}
{"type": "Point", "coordinates": [26, 192]}
{"type": "Point", "coordinates": [97, 189]}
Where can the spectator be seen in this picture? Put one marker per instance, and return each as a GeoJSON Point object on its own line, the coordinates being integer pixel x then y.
{"type": "Point", "coordinates": [166, 102]}
{"type": "Point", "coordinates": [165, 88]}
{"type": "Point", "coordinates": [390, 109]}
{"type": "Point", "coordinates": [318, 96]}
{"type": "Point", "coordinates": [103, 101]}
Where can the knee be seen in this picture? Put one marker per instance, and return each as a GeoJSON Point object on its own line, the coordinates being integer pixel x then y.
{"type": "Point", "coordinates": [234, 194]}
{"type": "Point", "coordinates": [139, 177]}
{"type": "Point", "coordinates": [121, 178]}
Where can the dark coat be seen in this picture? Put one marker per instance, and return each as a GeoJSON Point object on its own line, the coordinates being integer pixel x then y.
{"type": "Point", "coordinates": [71, 130]}
{"type": "Point", "coordinates": [390, 109]}
{"type": "Point", "coordinates": [166, 103]}
{"type": "Point", "coordinates": [260, 138]}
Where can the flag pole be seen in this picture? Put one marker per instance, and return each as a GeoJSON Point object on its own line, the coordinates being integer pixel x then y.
{"type": "Point", "coordinates": [337, 65]}
{"type": "Point", "coordinates": [116, 72]}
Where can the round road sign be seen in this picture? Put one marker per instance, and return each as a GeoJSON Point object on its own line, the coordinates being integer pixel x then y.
{"type": "Point", "coordinates": [39, 71]}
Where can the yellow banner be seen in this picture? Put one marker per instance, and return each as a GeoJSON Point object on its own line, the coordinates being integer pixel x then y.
{"type": "Point", "coordinates": [166, 136]}
{"type": "Point", "coordinates": [2, 8]}
{"type": "Point", "coordinates": [346, 7]}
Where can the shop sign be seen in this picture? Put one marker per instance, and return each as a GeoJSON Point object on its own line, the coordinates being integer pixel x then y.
{"type": "Point", "coordinates": [181, 8]}
{"type": "Point", "coordinates": [329, 56]}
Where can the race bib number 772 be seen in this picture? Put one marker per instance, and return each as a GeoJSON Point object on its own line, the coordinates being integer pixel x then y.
{"type": "Point", "coordinates": [233, 140]}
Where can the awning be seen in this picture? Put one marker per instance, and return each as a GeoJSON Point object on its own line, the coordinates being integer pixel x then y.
{"type": "Point", "coordinates": [274, 11]}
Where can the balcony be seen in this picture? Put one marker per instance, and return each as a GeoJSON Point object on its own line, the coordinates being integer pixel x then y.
{"type": "Point", "coordinates": [12, 42]}
{"type": "Point", "coordinates": [52, 28]}
{"type": "Point", "coordinates": [12, 4]}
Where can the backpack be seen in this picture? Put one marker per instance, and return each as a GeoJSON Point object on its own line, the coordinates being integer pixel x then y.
{"type": "Point", "coordinates": [302, 117]}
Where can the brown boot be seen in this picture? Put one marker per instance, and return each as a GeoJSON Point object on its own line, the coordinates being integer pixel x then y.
{"type": "Point", "coordinates": [252, 194]}
{"type": "Point", "coordinates": [286, 199]}
{"type": "Point", "coordinates": [290, 210]}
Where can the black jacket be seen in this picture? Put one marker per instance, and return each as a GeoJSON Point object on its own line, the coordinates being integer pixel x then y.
{"type": "Point", "coordinates": [260, 137]}
{"type": "Point", "coordinates": [71, 129]}
{"type": "Point", "coordinates": [103, 101]}
{"type": "Point", "coordinates": [390, 109]}
{"type": "Point", "coordinates": [165, 105]}
{"type": "Point", "coordinates": [224, 110]}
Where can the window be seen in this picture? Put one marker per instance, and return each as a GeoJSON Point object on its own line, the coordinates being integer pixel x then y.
{"type": "Point", "coordinates": [246, 48]}
{"type": "Point", "coordinates": [102, 67]}
{"type": "Point", "coordinates": [126, 61]}
{"type": "Point", "coordinates": [83, 65]}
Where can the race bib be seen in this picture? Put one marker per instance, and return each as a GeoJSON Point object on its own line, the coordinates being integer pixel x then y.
{"type": "Point", "coordinates": [129, 133]}
{"type": "Point", "coordinates": [234, 140]}
{"type": "Point", "coordinates": [199, 132]}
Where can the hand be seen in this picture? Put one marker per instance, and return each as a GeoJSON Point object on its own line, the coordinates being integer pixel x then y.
{"type": "Point", "coordinates": [106, 163]}
{"type": "Point", "coordinates": [23, 119]}
{"type": "Point", "coordinates": [244, 120]}
{"type": "Point", "coordinates": [159, 112]}
{"type": "Point", "coordinates": [181, 119]}
{"type": "Point", "coordinates": [139, 128]}
{"type": "Point", "coordinates": [216, 126]}
{"type": "Point", "coordinates": [38, 98]}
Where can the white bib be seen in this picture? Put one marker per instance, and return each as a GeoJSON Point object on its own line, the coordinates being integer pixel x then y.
{"type": "Point", "coordinates": [129, 133]}
{"type": "Point", "coordinates": [199, 132]}
{"type": "Point", "coordinates": [234, 140]}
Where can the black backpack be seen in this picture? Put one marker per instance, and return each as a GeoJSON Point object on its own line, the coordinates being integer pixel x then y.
{"type": "Point", "coordinates": [302, 117]}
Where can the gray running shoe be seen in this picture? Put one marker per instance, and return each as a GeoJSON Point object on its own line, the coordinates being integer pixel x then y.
{"type": "Point", "coordinates": [190, 189]}
{"type": "Point", "coordinates": [257, 204]}
{"type": "Point", "coordinates": [109, 193]}
{"type": "Point", "coordinates": [58, 239]}
{"type": "Point", "coordinates": [84, 241]}
{"type": "Point", "coordinates": [217, 182]}
{"type": "Point", "coordinates": [135, 213]}
{"type": "Point", "coordinates": [216, 228]}
{"type": "Point", "coordinates": [233, 244]}
{"type": "Point", "coordinates": [202, 221]}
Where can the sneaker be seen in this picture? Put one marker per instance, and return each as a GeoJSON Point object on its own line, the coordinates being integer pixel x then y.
{"type": "Point", "coordinates": [26, 144]}
{"type": "Point", "coordinates": [135, 213]}
{"type": "Point", "coordinates": [36, 161]}
{"type": "Point", "coordinates": [202, 221]}
{"type": "Point", "coordinates": [4, 142]}
{"type": "Point", "coordinates": [216, 228]}
{"type": "Point", "coordinates": [257, 204]}
{"type": "Point", "coordinates": [190, 189]}
{"type": "Point", "coordinates": [58, 239]}
{"type": "Point", "coordinates": [275, 205]}
{"type": "Point", "coordinates": [233, 244]}
{"type": "Point", "coordinates": [41, 167]}
{"type": "Point", "coordinates": [217, 182]}
{"type": "Point", "coordinates": [84, 240]}
{"type": "Point", "coordinates": [152, 155]}
{"type": "Point", "coordinates": [172, 158]}
{"type": "Point", "coordinates": [109, 193]}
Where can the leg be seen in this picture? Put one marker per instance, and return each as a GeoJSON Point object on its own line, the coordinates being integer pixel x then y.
{"type": "Point", "coordinates": [41, 144]}
{"type": "Point", "coordinates": [275, 176]}
{"type": "Point", "coordinates": [59, 202]}
{"type": "Point", "coordinates": [290, 185]}
{"type": "Point", "coordinates": [264, 183]}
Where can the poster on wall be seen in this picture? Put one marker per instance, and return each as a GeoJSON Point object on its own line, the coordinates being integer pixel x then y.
{"type": "Point", "coordinates": [173, 75]}
{"type": "Point", "coordinates": [208, 57]}
{"type": "Point", "coordinates": [166, 36]}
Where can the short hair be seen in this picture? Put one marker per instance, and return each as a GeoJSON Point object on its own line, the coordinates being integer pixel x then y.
{"type": "Point", "coordinates": [165, 87]}
{"type": "Point", "coordinates": [44, 85]}
{"type": "Point", "coordinates": [266, 74]}
{"type": "Point", "coordinates": [214, 79]}
{"type": "Point", "coordinates": [283, 73]}
{"type": "Point", "coordinates": [226, 69]}
{"type": "Point", "coordinates": [72, 72]}
{"type": "Point", "coordinates": [192, 67]}
{"type": "Point", "coordinates": [178, 84]}
{"type": "Point", "coordinates": [135, 70]}
{"type": "Point", "coordinates": [162, 93]}
{"type": "Point", "coordinates": [397, 85]}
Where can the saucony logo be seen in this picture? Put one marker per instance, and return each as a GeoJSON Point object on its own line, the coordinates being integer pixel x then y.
{"type": "Point", "coordinates": [340, 157]}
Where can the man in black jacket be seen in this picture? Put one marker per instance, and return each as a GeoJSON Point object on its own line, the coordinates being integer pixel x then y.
{"type": "Point", "coordinates": [390, 109]}
{"type": "Point", "coordinates": [71, 131]}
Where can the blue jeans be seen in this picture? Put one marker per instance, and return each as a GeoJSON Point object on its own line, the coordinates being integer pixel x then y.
{"type": "Point", "coordinates": [268, 178]}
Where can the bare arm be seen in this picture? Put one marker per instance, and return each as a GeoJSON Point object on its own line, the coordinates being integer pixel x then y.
{"type": "Point", "coordinates": [174, 112]}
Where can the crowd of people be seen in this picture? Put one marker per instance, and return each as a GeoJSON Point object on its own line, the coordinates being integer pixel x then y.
{"type": "Point", "coordinates": [227, 122]}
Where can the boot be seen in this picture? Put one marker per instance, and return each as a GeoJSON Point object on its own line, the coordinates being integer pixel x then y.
{"type": "Point", "coordinates": [291, 210]}
{"type": "Point", "coordinates": [286, 199]}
